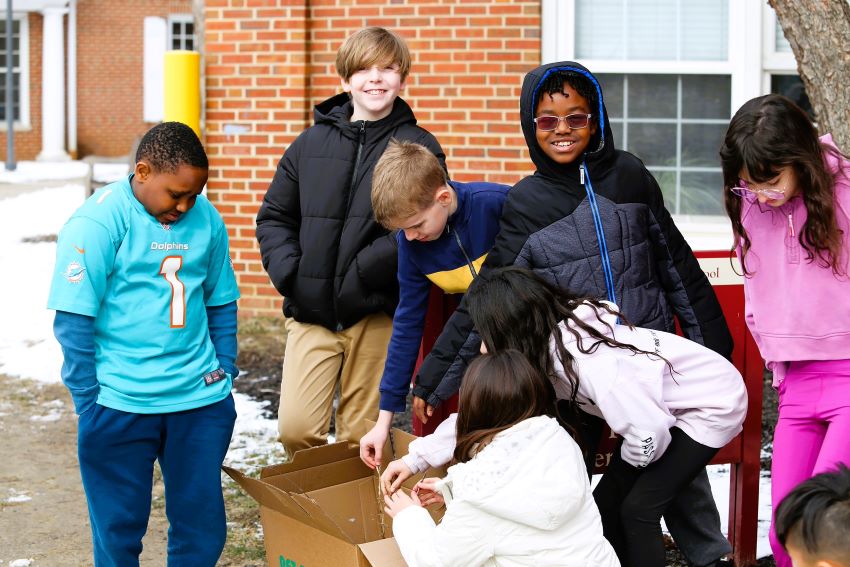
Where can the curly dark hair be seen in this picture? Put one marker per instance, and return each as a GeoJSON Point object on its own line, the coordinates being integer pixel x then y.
{"type": "Point", "coordinates": [767, 134]}
{"type": "Point", "coordinates": [169, 145]}
{"type": "Point", "coordinates": [554, 84]}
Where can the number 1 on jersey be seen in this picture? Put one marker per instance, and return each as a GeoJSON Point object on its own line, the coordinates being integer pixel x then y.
{"type": "Point", "coordinates": [169, 268]}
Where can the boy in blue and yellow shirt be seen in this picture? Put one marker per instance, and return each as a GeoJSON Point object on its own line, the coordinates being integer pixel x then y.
{"type": "Point", "coordinates": [145, 300]}
{"type": "Point", "coordinates": [445, 229]}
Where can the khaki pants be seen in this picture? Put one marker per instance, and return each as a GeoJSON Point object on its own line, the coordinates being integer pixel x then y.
{"type": "Point", "coordinates": [315, 360]}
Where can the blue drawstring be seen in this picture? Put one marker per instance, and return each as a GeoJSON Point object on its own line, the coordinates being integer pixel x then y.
{"type": "Point", "coordinates": [600, 235]}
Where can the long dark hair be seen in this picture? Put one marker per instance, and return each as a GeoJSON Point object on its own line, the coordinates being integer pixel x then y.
{"type": "Point", "coordinates": [514, 308]}
{"type": "Point", "coordinates": [499, 390]}
{"type": "Point", "coordinates": [769, 133]}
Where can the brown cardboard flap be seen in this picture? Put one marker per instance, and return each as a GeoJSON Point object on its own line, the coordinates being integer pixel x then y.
{"type": "Point", "coordinates": [353, 507]}
{"type": "Point", "coordinates": [314, 457]}
{"type": "Point", "coordinates": [280, 501]}
{"type": "Point", "coordinates": [383, 553]}
{"type": "Point", "coordinates": [321, 476]}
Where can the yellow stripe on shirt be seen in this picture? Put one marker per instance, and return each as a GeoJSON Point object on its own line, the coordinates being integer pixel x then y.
{"type": "Point", "coordinates": [457, 280]}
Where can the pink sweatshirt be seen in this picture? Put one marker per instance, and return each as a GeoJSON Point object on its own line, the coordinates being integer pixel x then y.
{"type": "Point", "coordinates": [796, 309]}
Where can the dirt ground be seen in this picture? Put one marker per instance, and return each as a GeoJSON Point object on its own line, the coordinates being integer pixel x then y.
{"type": "Point", "coordinates": [43, 513]}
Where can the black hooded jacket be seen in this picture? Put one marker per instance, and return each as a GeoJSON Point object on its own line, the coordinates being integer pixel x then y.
{"type": "Point", "coordinates": [551, 223]}
{"type": "Point", "coordinates": [318, 237]}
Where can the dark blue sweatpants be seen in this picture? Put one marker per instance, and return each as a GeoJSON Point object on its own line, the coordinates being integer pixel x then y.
{"type": "Point", "coordinates": [117, 451]}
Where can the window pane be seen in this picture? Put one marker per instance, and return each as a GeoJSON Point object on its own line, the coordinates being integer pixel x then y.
{"type": "Point", "coordinates": [704, 30]}
{"type": "Point", "coordinates": [700, 144]}
{"type": "Point", "coordinates": [650, 23]}
{"type": "Point", "coordinates": [175, 28]}
{"type": "Point", "coordinates": [612, 90]}
{"type": "Point", "coordinates": [673, 30]}
{"type": "Point", "coordinates": [599, 26]}
{"type": "Point", "coordinates": [670, 113]}
{"type": "Point", "coordinates": [792, 87]}
{"type": "Point", "coordinates": [701, 194]}
{"type": "Point", "coordinates": [667, 181]}
{"type": "Point", "coordinates": [189, 28]}
{"type": "Point", "coordinates": [652, 96]}
{"type": "Point", "coordinates": [781, 44]}
{"type": "Point", "coordinates": [617, 131]}
{"type": "Point", "coordinates": [706, 96]}
{"type": "Point", "coordinates": [655, 144]}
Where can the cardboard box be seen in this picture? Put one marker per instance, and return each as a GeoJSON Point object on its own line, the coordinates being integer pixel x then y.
{"type": "Point", "coordinates": [324, 508]}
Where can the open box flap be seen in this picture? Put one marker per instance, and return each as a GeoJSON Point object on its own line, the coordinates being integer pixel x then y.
{"type": "Point", "coordinates": [314, 457]}
{"type": "Point", "coordinates": [280, 501]}
{"type": "Point", "coordinates": [383, 553]}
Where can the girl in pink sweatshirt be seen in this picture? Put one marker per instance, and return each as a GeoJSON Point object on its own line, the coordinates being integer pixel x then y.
{"type": "Point", "coordinates": [787, 193]}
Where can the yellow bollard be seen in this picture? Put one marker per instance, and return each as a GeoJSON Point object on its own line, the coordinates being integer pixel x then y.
{"type": "Point", "coordinates": [183, 88]}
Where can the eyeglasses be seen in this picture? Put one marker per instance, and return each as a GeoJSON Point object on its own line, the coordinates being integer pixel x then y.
{"type": "Point", "coordinates": [745, 190]}
{"type": "Point", "coordinates": [574, 121]}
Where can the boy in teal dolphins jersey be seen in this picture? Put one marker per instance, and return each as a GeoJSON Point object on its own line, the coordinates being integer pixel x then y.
{"type": "Point", "coordinates": [145, 299]}
{"type": "Point", "coordinates": [445, 230]}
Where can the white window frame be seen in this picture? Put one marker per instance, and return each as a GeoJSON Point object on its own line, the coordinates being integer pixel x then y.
{"type": "Point", "coordinates": [749, 71]}
{"type": "Point", "coordinates": [774, 62]}
{"type": "Point", "coordinates": [23, 123]}
{"type": "Point", "coordinates": [180, 19]}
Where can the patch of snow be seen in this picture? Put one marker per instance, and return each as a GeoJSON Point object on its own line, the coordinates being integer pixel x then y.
{"type": "Point", "coordinates": [48, 417]}
{"type": "Point", "coordinates": [16, 496]}
{"type": "Point", "coordinates": [20, 562]}
{"type": "Point", "coordinates": [35, 171]}
{"type": "Point", "coordinates": [109, 172]}
{"type": "Point", "coordinates": [27, 347]}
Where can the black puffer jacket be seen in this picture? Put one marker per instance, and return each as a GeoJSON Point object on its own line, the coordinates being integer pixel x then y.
{"type": "Point", "coordinates": [549, 224]}
{"type": "Point", "coordinates": [319, 241]}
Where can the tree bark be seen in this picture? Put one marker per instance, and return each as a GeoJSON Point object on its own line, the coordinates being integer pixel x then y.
{"type": "Point", "coordinates": [819, 34]}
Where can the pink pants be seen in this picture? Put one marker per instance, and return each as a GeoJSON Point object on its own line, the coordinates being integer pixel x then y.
{"type": "Point", "coordinates": [812, 431]}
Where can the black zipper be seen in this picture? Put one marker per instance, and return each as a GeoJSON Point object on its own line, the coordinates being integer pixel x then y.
{"type": "Point", "coordinates": [463, 251]}
{"type": "Point", "coordinates": [361, 142]}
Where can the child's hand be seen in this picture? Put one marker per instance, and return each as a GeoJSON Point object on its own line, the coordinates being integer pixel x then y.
{"type": "Point", "coordinates": [372, 445]}
{"type": "Point", "coordinates": [422, 410]}
{"type": "Point", "coordinates": [392, 477]}
{"type": "Point", "coordinates": [398, 501]}
{"type": "Point", "coordinates": [426, 490]}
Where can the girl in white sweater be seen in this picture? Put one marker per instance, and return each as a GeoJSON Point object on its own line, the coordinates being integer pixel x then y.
{"type": "Point", "coordinates": [673, 401]}
{"type": "Point", "coordinates": [518, 492]}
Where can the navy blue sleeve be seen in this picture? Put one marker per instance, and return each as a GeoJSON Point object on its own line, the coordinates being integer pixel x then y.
{"type": "Point", "coordinates": [75, 334]}
{"type": "Point", "coordinates": [222, 323]}
{"type": "Point", "coordinates": [408, 323]}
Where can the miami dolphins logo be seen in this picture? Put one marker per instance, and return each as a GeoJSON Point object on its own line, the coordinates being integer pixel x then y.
{"type": "Point", "coordinates": [74, 272]}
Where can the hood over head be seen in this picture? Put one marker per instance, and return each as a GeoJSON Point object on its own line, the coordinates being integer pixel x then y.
{"type": "Point", "coordinates": [600, 150]}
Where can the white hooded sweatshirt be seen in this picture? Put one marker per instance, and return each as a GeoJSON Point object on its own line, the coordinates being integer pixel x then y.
{"type": "Point", "coordinates": [641, 399]}
{"type": "Point", "coordinates": [523, 500]}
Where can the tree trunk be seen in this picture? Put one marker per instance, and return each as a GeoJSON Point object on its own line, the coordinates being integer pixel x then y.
{"type": "Point", "coordinates": [819, 34]}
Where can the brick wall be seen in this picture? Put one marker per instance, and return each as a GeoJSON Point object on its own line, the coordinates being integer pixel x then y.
{"type": "Point", "coordinates": [110, 69]}
{"type": "Point", "coordinates": [110, 52]}
{"type": "Point", "coordinates": [269, 61]}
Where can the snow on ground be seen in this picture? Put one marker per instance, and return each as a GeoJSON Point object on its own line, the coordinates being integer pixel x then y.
{"type": "Point", "coordinates": [27, 347]}
{"type": "Point", "coordinates": [34, 171]}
